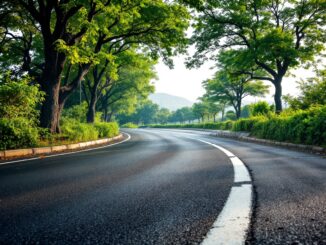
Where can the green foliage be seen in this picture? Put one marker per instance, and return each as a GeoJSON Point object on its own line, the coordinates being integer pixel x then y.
{"type": "Point", "coordinates": [75, 128]}
{"type": "Point", "coordinates": [225, 86]}
{"type": "Point", "coordinates": [260, 108]}
{"type": "Point", "coordinates": [19, 99]}
{"type": "Point", "coordinates": [163, 115]}
{"type": "Point", "coordinates": [246, 124]}
{"type": "Point", "coordinates": [76, 112]}
{"type": "Point", "coordinates": [230, 115]}
{"type": "Point", "coordinates": [107, 129]}
{"type": "Point", "coordinates": [227, 125]}
{"type": "Point", "coordinates": [312, 92]}
{"type": "Point", "coordinates": [17, 133]}
{"type": "Point", "coordinates": [264, 39]}
{"type": "Point", "coordinates": [302, 126]}
{"type": "Point", "coordinates": [200, 110]}
{"type": "Point", "coordinates": [18, 112]}
{"type": "Point", "coordinates": [129, 125]}
{"type": "Point", "coordinates": [77, 131]}
{"type": "Point", "coordinates": [145, 113]}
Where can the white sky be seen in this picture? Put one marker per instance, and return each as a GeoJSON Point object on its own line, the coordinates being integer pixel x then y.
{"type": "Point", "coordinates": [187, 83]}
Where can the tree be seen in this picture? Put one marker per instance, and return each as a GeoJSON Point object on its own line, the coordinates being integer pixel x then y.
{"type": "Point", "coordinates": [225, 86]}
{"type": "Point", "coordinates": [75, 33]}
{"type": "Point", "coordinates": [312, 92]}
{"type": "Point", "coordinates": [213, 107]}
{"type": "Point", "coordinates": [181, 115]}
{"type": "Point", "coordinates": [146, 113]}
{"type": "Point", "coordinates": [188, 113]}
{"type": "Point", "coordinates": [200, 110]}
{"type": "Point", "coordinates": [133, 71]}
{"type": "Point", "coordinates": [163, 115]}
{"type": "Point", "coordinates": [270, 36]}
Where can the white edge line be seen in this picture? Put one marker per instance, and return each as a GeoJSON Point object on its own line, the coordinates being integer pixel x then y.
{"type": "Point", "coordinates": [68, 153]}
{"type": "Point", "coordinates": [232, 224]}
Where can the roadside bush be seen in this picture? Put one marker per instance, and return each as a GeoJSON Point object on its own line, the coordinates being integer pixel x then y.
{"type": "Point", "coordinates": [17, 133]}
{"type": "Point", "coordinates": [18, 114]}
{"type": "Point", "coordinates": [77, 131]}
{"type": "Point", "coordinates": [302, 126]}
{"type": "Point", "coordinates": [246, 124]}
{"type": "Point", "coordinates": [107, 129]}
{"type": "Point", "coordinates": [19, 99]}
{"type": "Point", "coordinates": [260, 108]}
{"type": "Point", "coordinates": [129, 125]}
{"type": "Point", "coordinates": [227, 125]}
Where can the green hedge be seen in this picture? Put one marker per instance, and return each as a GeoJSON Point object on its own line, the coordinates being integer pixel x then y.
{"type": "Point", "coordinates": [227, 125]}
{"type": "Point", "coordinates": [107, 129]}
{"type": "Point", "coordinates": [129, 125]}
{"type": "Point", "coordinates": [302, 126]}
{"type": "Point", "coordinates": [77, 131]}
{"type": "Point", "coordinates": [17, 133]}
{"type": "Point", "coordinates": [305, 127]}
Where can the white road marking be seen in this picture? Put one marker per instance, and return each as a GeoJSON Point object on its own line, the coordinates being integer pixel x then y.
{"type": "Point", "coordinates": [67, 153]}
{"type": "Point", "coordinates": [232, 224]}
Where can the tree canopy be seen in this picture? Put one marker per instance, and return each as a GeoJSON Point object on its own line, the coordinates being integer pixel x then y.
{"type": "Point", "coordinates": [264, 35]}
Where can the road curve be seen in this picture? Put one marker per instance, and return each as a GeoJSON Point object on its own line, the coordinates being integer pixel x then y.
{"type": "Point", "coordinates": [160, 187]}
{"type": "Point", "coordinates": [157, 188]}
{"type": "Point", "coordinates": [290, 191]}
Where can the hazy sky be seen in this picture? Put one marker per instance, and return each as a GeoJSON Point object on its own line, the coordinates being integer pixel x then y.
{"type": "Point", "coordinates": [187, 83]}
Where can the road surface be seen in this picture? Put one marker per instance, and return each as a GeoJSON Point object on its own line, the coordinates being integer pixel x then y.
{"type": "Point", "coordinates": [161, 187]}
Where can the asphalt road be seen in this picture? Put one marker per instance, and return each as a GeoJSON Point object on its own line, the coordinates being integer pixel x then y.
{"type": "Point", "coordinates": [160, 187]}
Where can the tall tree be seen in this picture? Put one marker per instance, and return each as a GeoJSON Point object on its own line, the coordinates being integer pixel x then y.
{"type": "Point", "coordinates": [225, 86]}
{"type": "Point", "coordinates": [73, 33]}
{"type": "Point", "coordinates": [130, 69]}
{"type": "Point", "coordinates": [272, 35]}
{"type": "Point", "coordinates": [163, 115]}
{"type": "Point", "coordinates": [200, 110]}
{"type": "Point", "coordinates": [132, 84]}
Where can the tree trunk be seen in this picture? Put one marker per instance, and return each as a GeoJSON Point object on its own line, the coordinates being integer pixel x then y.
{"type": "Point", "coordinates": [50, 107]}
{"type": "Point", "coordinates": [110, 116]}
{"type": "Point", "coordinates": [278, 95]}
{"type": "Point", "coordinates": [92, 109]}
{"type": "Point", "coordinates": [238, 109]}
{"type": "Point", "coordinates": [50, 82]}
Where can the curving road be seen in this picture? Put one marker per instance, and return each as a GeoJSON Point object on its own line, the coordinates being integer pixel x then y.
{"type": "Point", "coordinates": [160, 187]}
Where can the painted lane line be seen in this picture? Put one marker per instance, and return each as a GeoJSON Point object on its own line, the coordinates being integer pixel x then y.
{"type": "Point", "coordinates": [68, 153]}
{"type": "Point", "coordinates": [232, 224]}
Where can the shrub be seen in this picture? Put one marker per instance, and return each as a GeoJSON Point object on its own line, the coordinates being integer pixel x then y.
{"type": "Point", "coordinates": [302, 126]}
{"type": "Point", "coordinates": [77, 131]}
{"type": "Point", "coordinates": [19, 99]}
{"type": "Point", "coordinates": [246, 124]}
{"type": "Point", "coordinates": [305, 127]}
{"type": "Point", "coordinates": [107, 129]}
{"type": "Point", "coordinates": [17, 133]}
{"type": "Point", "coordinates": [129, 125]}
{"type": "Point", "coordinates": [260, 108]}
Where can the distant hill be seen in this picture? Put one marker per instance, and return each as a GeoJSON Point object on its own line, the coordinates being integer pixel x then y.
{"type": "Point", "coordinates": [169, 101]}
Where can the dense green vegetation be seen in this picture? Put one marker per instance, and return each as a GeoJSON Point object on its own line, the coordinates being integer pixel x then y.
{"type": "Point", "coordinates": [301, 126]}
{"type": "Point", "coordinates": [261, 40]}
{"type": "Point", "coordinates": [71, 70]}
